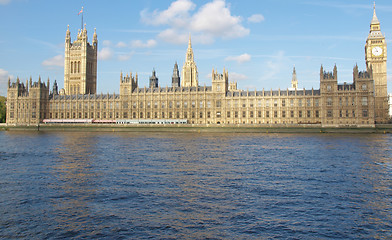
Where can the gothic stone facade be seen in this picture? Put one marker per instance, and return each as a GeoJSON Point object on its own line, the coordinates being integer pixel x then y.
{"type": "Point", "coordinates": [360, 103]}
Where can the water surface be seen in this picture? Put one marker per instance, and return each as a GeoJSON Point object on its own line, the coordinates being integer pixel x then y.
{"type": "Point", "coordinates": [195, 186]}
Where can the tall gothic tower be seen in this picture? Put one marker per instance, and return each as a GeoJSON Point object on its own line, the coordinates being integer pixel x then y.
{"type": "Point", "coordinates": [294, 80]}
{"type": "Point", "coordinates": [80, 64]}
{"type": "Point", "coordinates": [189, 74]}
{"type": "Point", "coordinates": [376, 58]}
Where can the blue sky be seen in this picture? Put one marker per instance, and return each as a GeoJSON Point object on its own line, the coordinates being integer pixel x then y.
{"type": "Point", "coordinates": [258, 42]}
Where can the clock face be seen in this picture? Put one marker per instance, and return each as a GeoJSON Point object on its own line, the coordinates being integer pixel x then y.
{"type": "Point", "coordinates": [377, 51]}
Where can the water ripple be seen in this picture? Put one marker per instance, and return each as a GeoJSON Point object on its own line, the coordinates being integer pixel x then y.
{"type": "Point", "coordinates": [195, 186]}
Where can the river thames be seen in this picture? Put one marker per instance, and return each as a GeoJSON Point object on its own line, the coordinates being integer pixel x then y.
{"type": "Point", "coordinates": [195, 186]}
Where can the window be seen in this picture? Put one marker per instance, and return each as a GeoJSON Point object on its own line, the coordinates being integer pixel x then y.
{"type": "Point", "coordinates": [316, 102]}
{"type": "Point", "coordinates": [365, 113]}
{"type": "Point", "coordinates": [236, 114]}
{"type": "Point", "coordinates": [329, 101]}
{"type": "Point", "coordinates": [283, 114]}
{"type": "Point", "coordinates": [292, 114]}
{"type": "Point", "coordinates": [259, 114]}
{"type": "Point", "coordinates": [308, 114]}
{"type": "Point", "coordinates": [329, 88]}
{"type": "Point", "coordinates": [300, 102]}
{"type": "Point", "coordinates": [275, 114]}
{"type": "Point", "coordinates": [218, 114]}
{"type": "Point", "coordinates": [364, 101]}
{"type": "Point", "coordinates": [267, 114]}
{"type": "Point", "coordinates": [364, 87]}
{"type": "Point", "coordinates": [243, 114]}
{"type": "Point", "coordinates": [218, 103]}
{"type": "Point", "coordinates": [228, 114]}
{"type": "Point", "coordinates": [251, 114]}
{"type": "Point", "coordinates": [283, 102]}
{"type": "Point", "coordinates": [208, 114]}
{"type": "Point", "coordinates": [275, 103]}
{"type": "Point", "coordinates": [317, 114]}
{"type": "Point", "coordinates": [201, 115]}
{"type": "Point", "coordinates": [299, 114]}
{"type": "Point", "coordinates": [308, 102]}
{"type": "Point", "coordinates": [329, 114]}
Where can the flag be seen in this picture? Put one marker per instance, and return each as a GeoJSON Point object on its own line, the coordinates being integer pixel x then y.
{"type": "Point", "coordinates": [81, 11]}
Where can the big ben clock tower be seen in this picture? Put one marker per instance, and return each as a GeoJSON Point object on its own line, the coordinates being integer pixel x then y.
{"type": "Point", "coordinates": [376, 58]}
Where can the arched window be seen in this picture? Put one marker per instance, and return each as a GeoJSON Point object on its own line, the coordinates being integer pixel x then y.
{"type": "Point", "coordinates": [71, 67]}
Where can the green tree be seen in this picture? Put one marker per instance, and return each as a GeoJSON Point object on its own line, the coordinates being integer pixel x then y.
{"type": "Point", "coordinates": [2, 109]}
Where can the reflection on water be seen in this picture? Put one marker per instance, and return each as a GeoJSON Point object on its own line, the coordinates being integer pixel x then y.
{"type": "Point", "coordinates": [195, 186]}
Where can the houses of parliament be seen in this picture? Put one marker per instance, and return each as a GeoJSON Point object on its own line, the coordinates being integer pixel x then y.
{"type": "Point", "coordinates": [362, 103]}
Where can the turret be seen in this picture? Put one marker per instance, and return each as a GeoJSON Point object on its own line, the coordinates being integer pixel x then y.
{"type": "Point", "coordinates": [176, 76]}
{"type": "Point", "coordinates": [153, 80]}
{"type": "Point", "coordinates": [220, 82]}
{"type": "Point", "coordinates": [95, 38]}
{"type": "Point", "coordinates": [294, 80]}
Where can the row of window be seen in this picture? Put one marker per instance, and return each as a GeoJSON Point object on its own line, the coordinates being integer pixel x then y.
{"type": "Point", "coordinates": [346, 114]}
{"type": "Point", "coordinates": [219, 114]}
{"type": "Point", "coordinates": [171, 104]}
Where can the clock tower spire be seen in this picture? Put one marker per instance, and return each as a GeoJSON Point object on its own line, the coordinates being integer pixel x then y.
{"type": "Point", "coordinates": [376, 59]}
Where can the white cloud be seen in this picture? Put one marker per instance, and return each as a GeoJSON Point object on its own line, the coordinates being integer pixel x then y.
{"type": "Point", "coordinates": [274, 66]}
{"type": "Point", "coordinates": [105, 54]}
{"type": "Point", "coordinates": [121, 45]}
{"type": "Point", "coordinates": [140, 44]}
{"type": "Point", "coordinates": [175, 15]}
{"type": "Point", "coordinates": [125, 56]}
{"type": "Point", "coordinates": [210, 21]}
{"type": "Point", "coordinates": [56, 61]}
{"type": "Point", "coordinates": [240, 59]}
{"type": "Point", "coordinates": [106, 43]}
{"type": "Point", "coordinates": [215, 18]}
{"type": "Point", "coordinates": [4, 75]}
{"type": "Point", "coordinates": [256, 18]}
{"type": "Point", "coordinates": [233, 76]}
{"type": "Point", "coordinates": [4, 2]}
{"type": "Point", "coordinates": [173, 36]}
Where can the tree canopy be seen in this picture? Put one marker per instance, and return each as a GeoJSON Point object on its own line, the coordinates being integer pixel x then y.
{"type": "Point", "coordinates": [2, 109]}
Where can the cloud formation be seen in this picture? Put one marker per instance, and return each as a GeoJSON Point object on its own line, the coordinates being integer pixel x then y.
{"type": "Point", "coordinates": [233, 76]}
{"type": "Point", "coordinates": [4, 2]}
{"type": "Point", "coordinates": [239, 59]}
{"type": "Point", "coordinates": [105, 54]}
{"type": "Point", "coordinates": [56, 61]}
{"type": "Point", "coordinates": [121, 45]}
{"type": "Point", "coordinates": [4, 75]}
{"type": "Point", "coordinates": [212, 20]}
{"type": "Point", "coordinates": [140, 44]}
{"type": "Point", "coordinates": [256, 18]}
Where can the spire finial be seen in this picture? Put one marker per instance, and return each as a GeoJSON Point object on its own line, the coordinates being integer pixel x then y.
{"type": "Point", "coordinates": [190, 42]}
{"type": "Point", "coordinates": [375, 19]}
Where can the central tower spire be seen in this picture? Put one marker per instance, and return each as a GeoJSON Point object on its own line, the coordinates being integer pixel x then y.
{"type": "Point", "coordinates": [189, 70]}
